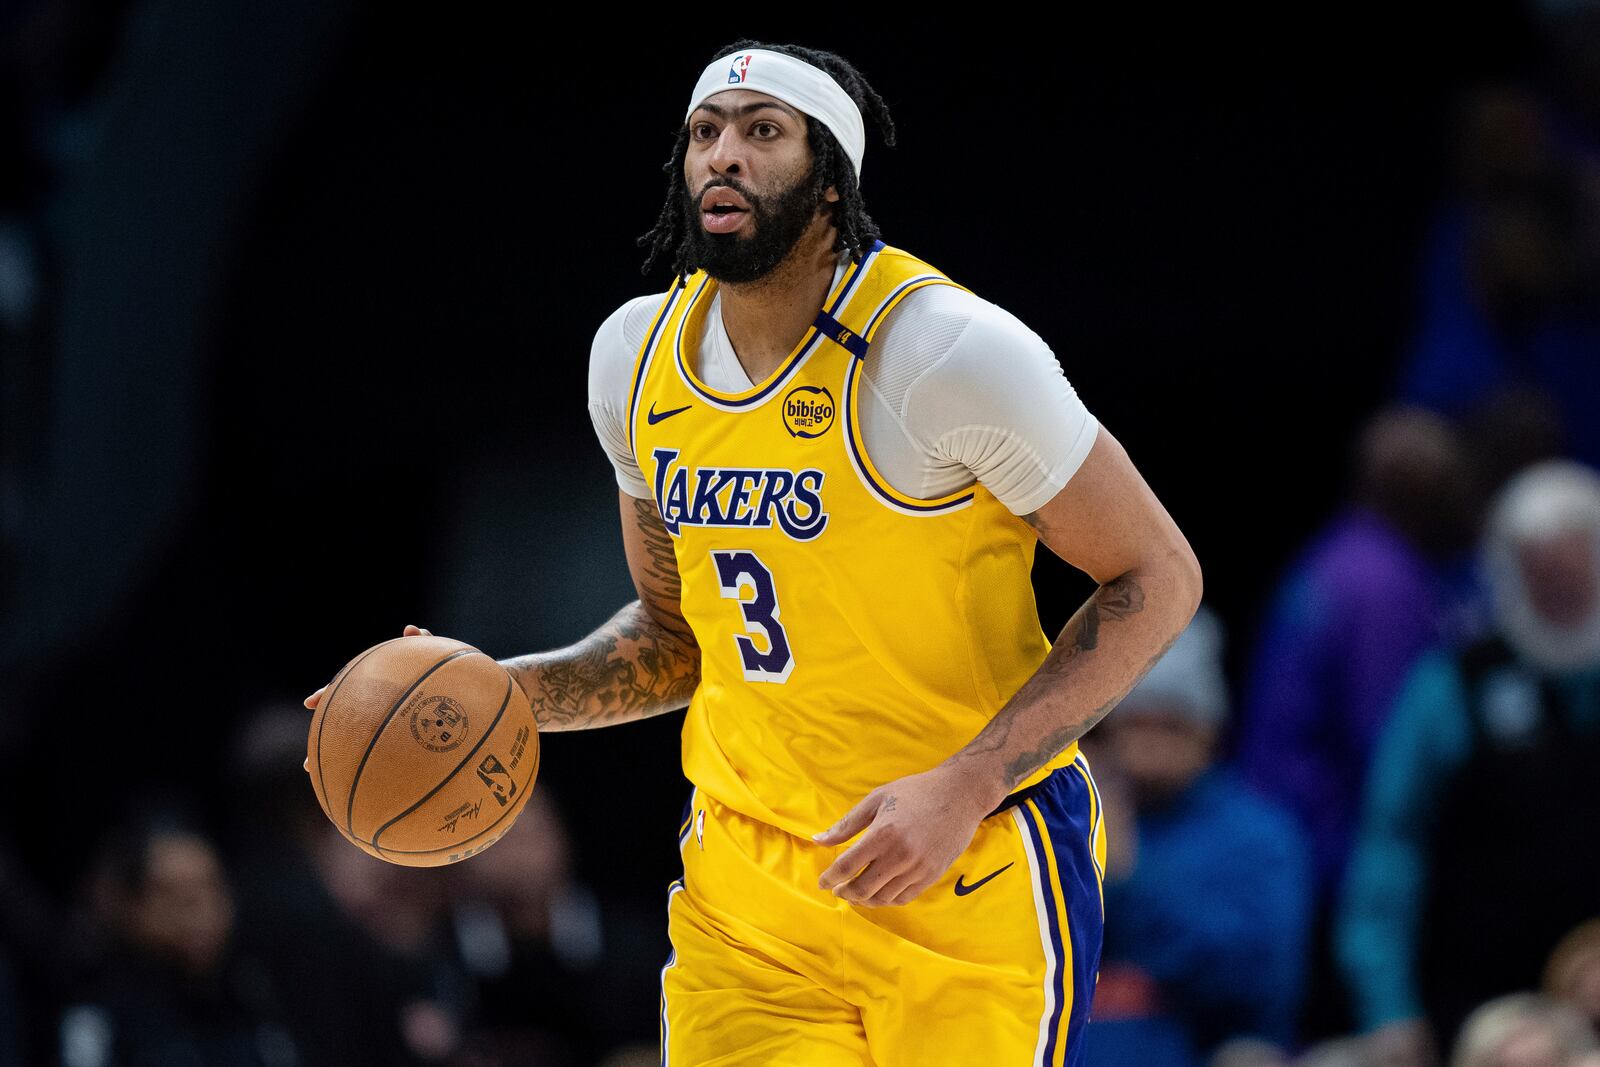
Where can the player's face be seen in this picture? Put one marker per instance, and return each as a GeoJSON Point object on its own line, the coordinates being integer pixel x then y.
{"type": "Point", "coordinates": [749, 191]}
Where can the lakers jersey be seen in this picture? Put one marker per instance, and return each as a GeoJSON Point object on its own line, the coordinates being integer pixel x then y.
{"type": "Point", "coordinates": [849, 634]}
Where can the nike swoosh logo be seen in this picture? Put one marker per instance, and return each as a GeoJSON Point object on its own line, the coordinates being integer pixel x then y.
{"type": "Point", "coordinates": [963, 890]}
{"type": "Point", "coordinates": [652, 416]}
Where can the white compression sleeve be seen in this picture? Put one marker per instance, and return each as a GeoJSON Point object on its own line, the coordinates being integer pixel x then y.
{"type": "Point", "coordinates": [958, 389]}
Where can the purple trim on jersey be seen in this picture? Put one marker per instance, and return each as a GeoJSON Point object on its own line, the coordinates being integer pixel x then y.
{"type": "Point", "coordinates": [644, 363]}
{"type": "Point", "coordinates": [794, 362]}
{"type": "Point", "coordinates": [835, 331]}
{"type": "Point", "coordinates": [889, 300]}
{"type": "Point", "coordinates": [861, 463]}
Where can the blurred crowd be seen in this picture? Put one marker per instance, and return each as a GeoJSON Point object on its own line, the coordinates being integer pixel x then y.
{"type": "Point", "coordinates": [1454, 914]}
{"type": "Point", "coordinates": [258, 936]}
{"type": "Point", "coordinates": [1384, 854]}
{"type": "Point", "coordinates": [1360, 831]}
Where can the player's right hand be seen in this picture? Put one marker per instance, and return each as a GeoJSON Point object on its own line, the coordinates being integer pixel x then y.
{"type": "Point", "coordinates": [311, 701]}
{"type": "Point", "coordinates": [410, 631]}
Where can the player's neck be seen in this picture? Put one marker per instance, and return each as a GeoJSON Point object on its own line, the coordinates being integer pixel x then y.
{"type": "Point", "coordinates": [766, 319]}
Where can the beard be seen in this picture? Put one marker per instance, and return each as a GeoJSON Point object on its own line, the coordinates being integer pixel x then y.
{"type": "Point", "coordinates": [776, 224]}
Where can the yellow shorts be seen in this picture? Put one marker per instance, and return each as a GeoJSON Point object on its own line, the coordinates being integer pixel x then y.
{"type": "Point", "coordinates": [992, 966]}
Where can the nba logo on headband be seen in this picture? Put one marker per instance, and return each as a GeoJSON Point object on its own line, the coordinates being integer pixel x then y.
{"type": "Point", "coordinates": [808, 89]}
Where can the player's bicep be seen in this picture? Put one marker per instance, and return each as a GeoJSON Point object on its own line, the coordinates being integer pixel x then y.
{"type": "Point", "coordinates": [652, 562]}
{"type": "Point", "coordinates": [1107, 521]}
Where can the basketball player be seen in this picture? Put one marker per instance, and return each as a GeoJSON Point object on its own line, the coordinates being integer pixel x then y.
{"type": "Point", "coordinates": [835, 464]}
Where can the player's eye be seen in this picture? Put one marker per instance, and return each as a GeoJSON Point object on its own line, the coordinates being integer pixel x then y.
{"type": "Point", "coordinates": [702, 130]}
{"type": "Point", "coordinates": [765, 129]}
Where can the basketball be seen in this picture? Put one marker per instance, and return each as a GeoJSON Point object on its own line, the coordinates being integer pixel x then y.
{"type": "Point", "coordinates": [423, 751]}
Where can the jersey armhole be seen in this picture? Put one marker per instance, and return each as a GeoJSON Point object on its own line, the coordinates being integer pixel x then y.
{"type": "Point", "coordinates": [641, 364]}
{"type": "Point", "coordinates": [855, 444]}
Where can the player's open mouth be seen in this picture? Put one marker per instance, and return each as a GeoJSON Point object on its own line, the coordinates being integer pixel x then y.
{"type": "Point", "coordinates": [722, 210]}
{"type": "Point", "coordinates": [723, 220]}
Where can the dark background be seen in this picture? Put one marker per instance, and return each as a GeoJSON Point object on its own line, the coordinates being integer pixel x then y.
{"type": "Point", "coordinates": [316, 283]}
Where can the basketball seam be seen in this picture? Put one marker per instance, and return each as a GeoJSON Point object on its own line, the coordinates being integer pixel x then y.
{"type": "Point", "coordinates": [350, 808]}
{"type": "Point", "coordinates": [532, 773]}
{"type": "Point", "coordinates": [326, 705]}
{"type": "Point", "coordinates": [504, 703]}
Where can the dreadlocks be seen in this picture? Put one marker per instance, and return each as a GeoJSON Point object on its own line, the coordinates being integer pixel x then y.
{"type": "Point", "coordinates": [830, 166]}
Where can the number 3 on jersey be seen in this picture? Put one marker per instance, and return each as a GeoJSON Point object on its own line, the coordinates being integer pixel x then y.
{"type": "Point", "coordinates": [739, 573]}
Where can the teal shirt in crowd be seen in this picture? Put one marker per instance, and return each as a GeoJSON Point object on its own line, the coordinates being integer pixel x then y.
{"type": "Point", "coordinates": [1428, 738]}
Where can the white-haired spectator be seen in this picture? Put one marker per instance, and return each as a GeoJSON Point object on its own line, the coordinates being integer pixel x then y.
{"type": "Point", "coordinates": [1477, 846]}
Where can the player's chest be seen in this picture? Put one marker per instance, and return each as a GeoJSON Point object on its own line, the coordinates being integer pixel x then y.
{"type": "Point", "coordinates": [780, 467]}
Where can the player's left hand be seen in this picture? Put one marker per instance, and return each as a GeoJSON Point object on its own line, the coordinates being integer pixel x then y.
{"type": "Point", "coordinates": [915, 828]}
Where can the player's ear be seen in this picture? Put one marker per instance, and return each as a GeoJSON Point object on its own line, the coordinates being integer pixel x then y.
{"type": "Point", "coordinates": [832, 195]}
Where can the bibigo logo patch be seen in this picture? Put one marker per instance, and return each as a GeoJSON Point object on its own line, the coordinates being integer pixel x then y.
{"type": "Point", "coordinates": [808, 411]}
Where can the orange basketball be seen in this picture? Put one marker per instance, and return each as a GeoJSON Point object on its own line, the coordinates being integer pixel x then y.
{"type": "Point", "coordinates": [423, 751]}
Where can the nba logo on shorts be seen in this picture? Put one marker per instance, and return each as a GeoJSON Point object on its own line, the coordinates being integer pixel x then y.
{"type": "Point", "coordinates": [741, 67]}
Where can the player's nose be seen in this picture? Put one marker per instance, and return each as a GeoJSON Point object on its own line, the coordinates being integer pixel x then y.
{"type": "Point", "coordinates": [728, 154]}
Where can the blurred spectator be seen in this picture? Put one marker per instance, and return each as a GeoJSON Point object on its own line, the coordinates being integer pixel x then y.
{"type": "Point", "coordinates": [1510, 275]}
{"type": "Point", "coordinates": [530, 939]}
{"type": "Point", "coordinates": [173, 989]}
{"type": "Point", "coordinates": [1350, 618]}
{"type": "Point", "coordinates": [288, 916]}
{"type": "Point", "coordinates": [403, 909]}
{"type": "Point", "coordinates": [1573, 973]}
{"type": "Point", "coordinates": [1209, 890]}
{"type": "Point", "coordinates": [1476, 850]}
{"type": "Point", "coordinates": [1525, 1030]}
{"type": "Point", "coordinates": [1341, 1052]}
{"type": "Point", "coordinates": [1249, 1052]}
{"type": "Point", "coordinates": [1360, 603]}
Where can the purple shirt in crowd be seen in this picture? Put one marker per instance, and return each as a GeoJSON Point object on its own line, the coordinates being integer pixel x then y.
{"type": "Point", "coordinates": [1355, 610]}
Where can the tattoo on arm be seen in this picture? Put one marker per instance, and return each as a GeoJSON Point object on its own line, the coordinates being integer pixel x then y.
{"type": "Point", "coordinates": [1115, 601]}
{"type": "Point", "coordinates": [644, 661]}
{"type": "Point", "coordinates": [658, 582]}
{"type": "Point", "coordinates": [630, 668]}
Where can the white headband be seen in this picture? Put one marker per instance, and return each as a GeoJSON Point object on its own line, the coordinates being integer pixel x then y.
{"type": "Point", "coordinates": [795, 82]}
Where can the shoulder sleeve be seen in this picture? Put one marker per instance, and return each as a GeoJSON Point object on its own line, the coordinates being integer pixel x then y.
{"type": "Point", "coordinates": [611, 359]}
{"type": "Point", "coordinates": [999, 404]}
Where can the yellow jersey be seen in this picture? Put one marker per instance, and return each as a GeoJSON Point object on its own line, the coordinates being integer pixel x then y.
{"type": "Point", "coordinates": [849, 634]}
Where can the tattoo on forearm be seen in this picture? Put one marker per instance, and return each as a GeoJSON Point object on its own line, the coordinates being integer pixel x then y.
{"type": "Point", "coordinates": [642, 662]}
{"type": "Point", "coordinates": [1115, 601]}
{"type": "Point", "coordinates": [630, 668]}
